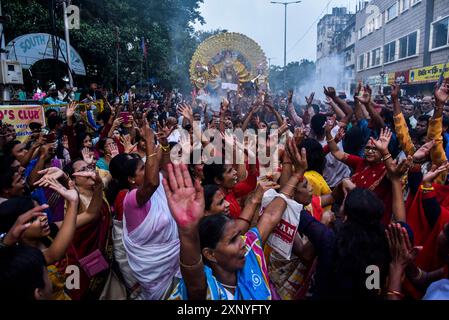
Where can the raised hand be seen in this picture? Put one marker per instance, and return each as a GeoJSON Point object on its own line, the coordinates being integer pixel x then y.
{"type": "Point", "coordinates": [309, 99]}
{"type": "Point", "coordinates": [185, 199]}
{"type": "Point", "coordinates": [442, 93]}
{"type": "Point", "coordinates": [22, 223]}
{"type": "Point", "coordinates": [422, 153]}
{"type": "Point", "coordinates": [397, 171]}
{"type": "Point", "coordinates": [52, 172]}
{"type": "Point", "coordinates": [299, 159]}
{"type": "Point", "coordinates": [113, 150]}
{"type": "Point", "coordinates": [340, 134]}
{"type": "Point", "coordinates": [401, 251]}
{"type": "Point", "coordinates": [44, 151]}
{"type": "Point", "coordinates": [128, 146]}
{"type": "Point", "coordinates": [117, 122]}
{"type": "Point", "coordinates": [70, 110]}
{"type": "Point", "coordinates": [88, 156]}
{"type": "Point", "coordinates": [290, 97]}
{"type": "Point", "coordinates": [434, 172]}
{"type": "Point", "coordinates": [366, 97]}
{"type": "Point", "coordinates": [298, 135]}
{"type": "Point", "coordinates": [328, 126]}
{"type": "Point", "coordinates": [384, 140]}
{"type": "Point", "coordinates": [282, 129]}
{"type": "Point", "coordinates": [70, 195]}
{"type": "Point", "coordinates": [263, 185]}
{"type": "Point", "coordinates": [330, 92]}
{"type": "Point", "coordinates": [395, 91]}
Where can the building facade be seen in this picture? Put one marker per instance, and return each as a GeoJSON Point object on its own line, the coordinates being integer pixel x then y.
{"type": "Point", "coordinates": [333, 39]}
{"type": "Point", "coordinates": [405, 41]}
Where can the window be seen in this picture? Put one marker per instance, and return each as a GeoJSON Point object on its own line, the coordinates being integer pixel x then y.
{"type": "Point", "coordinates": [361, 62]}
{"type": "Point", "coordinates": [407, 45]}
{"type": "Point", "coordinates": [375, 57]}
{"type": "Point", "coordinates": [392, 12]}
{"type": "Point", "coordinates": [362, 32]}
{"type": "Point", "coordinates": [390, 52]}
{"type": "Point", "coordinates": [378, 22]}
{"type": "Point", "coordinates": [404, 5]}
{"type": "Point", "coordinates": [368, 60]}
{"type": "Point", "coordinates": [415, 2]}
{"type": "Point", "coordinates": [439, 33]}
{"type": "Point", "coordinates": [371, 26]}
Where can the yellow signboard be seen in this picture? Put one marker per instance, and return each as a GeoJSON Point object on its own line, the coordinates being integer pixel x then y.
{"type": "Point", "coordinates": [20, 117]}
{"type": "Point", "coordinates": [428, 74]}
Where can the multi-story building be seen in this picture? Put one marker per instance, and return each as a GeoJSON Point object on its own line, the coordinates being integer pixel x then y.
{"type": "Point", "coordinates": [344, 45]}
{"type": "Point", "coordinates": [406, 41]}
{"type": "Point", "coordinates": [329, 49]}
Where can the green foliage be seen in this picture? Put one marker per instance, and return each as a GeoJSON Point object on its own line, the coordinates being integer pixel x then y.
{"type": "Point", "coordinates": [297, 74]}
{"type": "Point", "coordinates": [166, 25]}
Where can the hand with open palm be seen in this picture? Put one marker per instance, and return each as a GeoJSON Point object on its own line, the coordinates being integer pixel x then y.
{"type": "Point", "coordinates": [434, 172]}
{"type": "Point", "coordinates": [442, 93]}
{"type": "Point", "coordinates": [384, 140]}
{"type": "Point", "coordinates": [185, 199]}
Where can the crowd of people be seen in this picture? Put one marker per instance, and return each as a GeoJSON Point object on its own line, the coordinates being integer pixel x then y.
{"type": "Point", "coordinates": [353, 202]}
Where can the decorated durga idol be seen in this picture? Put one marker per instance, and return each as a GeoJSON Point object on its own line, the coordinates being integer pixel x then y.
{"type": "Point", "coordinates": [227, 62]}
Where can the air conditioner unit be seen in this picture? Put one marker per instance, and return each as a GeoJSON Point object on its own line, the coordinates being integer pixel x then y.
{"type": "Point", "coordinates": [11, 72]}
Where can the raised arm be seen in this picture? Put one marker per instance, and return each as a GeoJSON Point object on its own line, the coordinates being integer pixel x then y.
{"type": "Point", "coordinates": [93, 210]}
{"type": "Point", "coordinates": [244, 220]}
{"type": "Point", "coordinates": [333, 148]}
{"type": "Point", "coordinates": [154, 155]}
{"type": "Point", "coordinates": [291, 110]}
{"type": "Point", "coordinates": [435, 129]}
{"type": "Point", "coordinates": [269, 104]}
{"type": "Point", "coordinates": [273, 212]}
{"type": "Point", "coordinates": [186, 203]}
{"type": "Point", "coordinates": [67, 230]}
{"type": "Point", "coordinates": [400, 125]}
{"type": "Point", "coordinates": [342, 105]}
{"type": "Point", "coordinates": [366, 101]}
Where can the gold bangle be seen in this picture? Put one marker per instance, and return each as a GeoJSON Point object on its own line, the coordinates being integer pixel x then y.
{"type": "Point", "coordinates": [395, 293]}
{"type": "Point", "coordinates": [386, 158]}
{"type": "Point", "coordinates": [330, 140]}
{"type": "Point", "coordinates": [427, 188]}
{"type": "Point", "coordinates": [193, 265]}
{"type": "Point", "coordinates": [165, 148]}
{"type": "Point", "coordinates": [152, 155]}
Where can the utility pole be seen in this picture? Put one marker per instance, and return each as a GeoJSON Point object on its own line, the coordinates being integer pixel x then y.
{"type": "Point", "coordinates": [285, 38]}
{"type": "Point", "coordinates": [67, 41]}
{"type": "Point", "coordinates": [116, 59]}
{"type": "Point", "coordinates": [6, 95]}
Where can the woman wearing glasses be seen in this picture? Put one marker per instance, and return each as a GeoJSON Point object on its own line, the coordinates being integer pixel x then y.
{"type": "Point", "coordinates": [369, 172]}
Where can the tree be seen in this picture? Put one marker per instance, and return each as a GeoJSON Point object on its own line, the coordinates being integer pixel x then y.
{"type": "Point", "coordinates": [165, 25]}
{"type": "Point", "coordinates": [297, 74]}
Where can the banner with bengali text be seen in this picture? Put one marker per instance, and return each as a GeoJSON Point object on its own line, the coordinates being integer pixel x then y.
{"type": "Point", "coordinates": [428, 74]}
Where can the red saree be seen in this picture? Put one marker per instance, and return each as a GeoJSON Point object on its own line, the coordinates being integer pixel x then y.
{"type": "Point", "coordinates": [87, 239]}
{"type": "Point", "coordinates": [424, 234]}
{"type": "Point", "coordinates": [372, 177]}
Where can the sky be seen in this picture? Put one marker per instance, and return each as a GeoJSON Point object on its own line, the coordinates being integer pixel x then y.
{"type": "Point", "coordinates": [264, 23]}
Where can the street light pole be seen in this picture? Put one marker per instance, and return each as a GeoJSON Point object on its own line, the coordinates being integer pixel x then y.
{"type": "Point", "coordinates": [285, 37]}
{"type": "Point", "coordinates": [67, 41]}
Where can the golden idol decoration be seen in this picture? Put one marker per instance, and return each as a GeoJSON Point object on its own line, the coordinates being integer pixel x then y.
{"type": "Point", "coordinates": [226, 61]}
